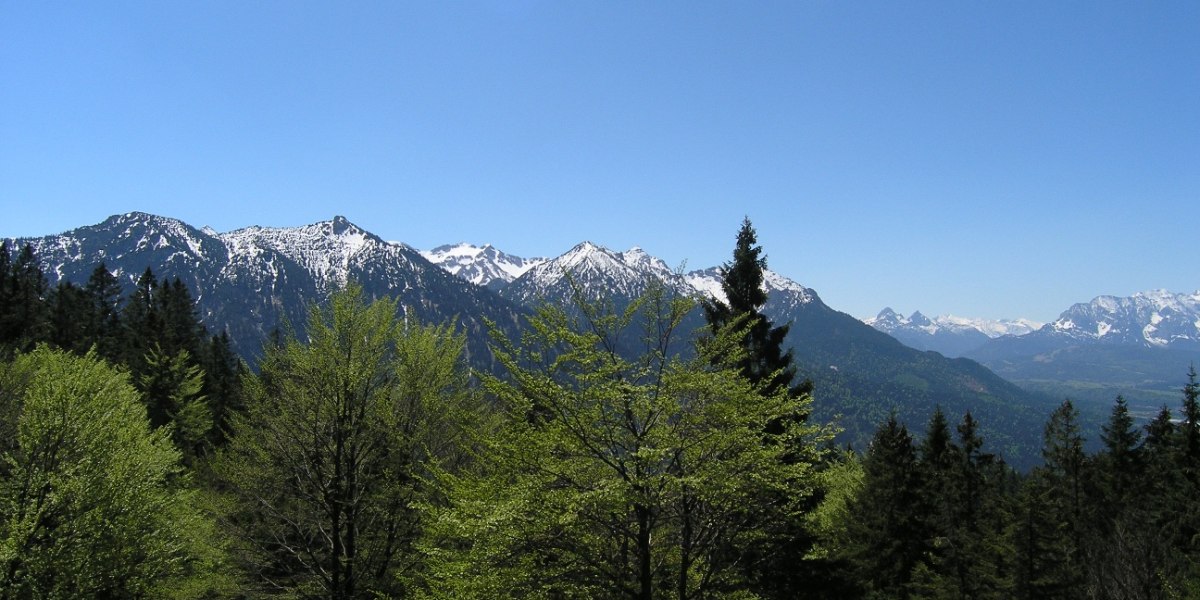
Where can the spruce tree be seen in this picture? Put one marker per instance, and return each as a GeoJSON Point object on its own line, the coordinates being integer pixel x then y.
{"type": "Point", "coordinates": [1049, 537]}
{"type": "Point", "coordinates": [223, 373]}
{"type": "Point", "coordinates": [1189, 428]}
{"type": "Point", "coordinates": [24, 314]}
{"type": "Point", "coordinates": [70, 316]}
{"type": "Point", "coordinates": [1120, 462]}
{"type": "Point", "coordinates": [888, 535]}
{"type": "Point", "coordinates": [766, 362]}
{"type": "Point", "coordinates": [104, 325]}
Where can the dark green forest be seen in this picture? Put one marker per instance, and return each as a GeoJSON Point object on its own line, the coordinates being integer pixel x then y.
{"type": "Point", "coordinates": [361, 457]}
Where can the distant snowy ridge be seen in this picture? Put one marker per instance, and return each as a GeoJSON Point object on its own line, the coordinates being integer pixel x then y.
{"type": "Point", "coordinates": [950, 335]}
{"type": "Point", "coordinates": [328, 250]}
{"type": "Point", "coordinates": [624, 273]}
{"type": "Point", "coordinates": [890, 321]}
{"type": "Point", "coordinates": [481, 265]}
{"type": "Point", "coordinates": [254, 280]}
{"type": "Point", "coordinates": [707, 283]}
{"type": "Point", "coordinates": [1155, 318]}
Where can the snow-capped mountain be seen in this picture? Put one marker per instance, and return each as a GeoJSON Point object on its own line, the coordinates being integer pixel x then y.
{"type": "Point", "coordinates": [1138, 346]}
{"type": "Point", "coordinates": [783, 294]}
{"type": "Point", "coordinates": [254, 280]}
{"type": "Point", "coordinates": [481, 265]}
{"type": "Point", "coordinates": [993, 328]}
{"type": "Point", "coordinates": [1157, 319]}
{"type": "Point", "coordinates": [950, 335]}
{"type": "Point", "coordinates": [597, 271]}
{"type": "Point", "coordinates": [624, 275]}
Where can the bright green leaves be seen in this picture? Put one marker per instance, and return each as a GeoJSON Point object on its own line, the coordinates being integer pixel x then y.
{"type": "Point", "coordinates": [326, 467]}
{"type": "Point", "coordinates": [613, 473]}
{"type": "Point", "coordinates": [90, 500]}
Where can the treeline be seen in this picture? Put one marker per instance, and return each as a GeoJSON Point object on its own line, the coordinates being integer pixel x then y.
{"type": "Point", "coordinates": [187, 377]}
{"type": "Point", "coordinates": [937, 518]}
{"type": "Point", "coordinates": [139, 458]}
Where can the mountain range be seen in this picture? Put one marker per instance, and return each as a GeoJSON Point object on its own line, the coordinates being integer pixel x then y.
{"type": "Point", "coordinates": [256, 280]}
{"type": "Point", "coordinates": [949, 335]}
{"type": "Point", "coordinates": [1138, 346]}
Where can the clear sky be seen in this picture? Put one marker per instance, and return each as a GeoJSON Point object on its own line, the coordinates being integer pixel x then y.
{"type": "Point", "coordinates": [987, 159]}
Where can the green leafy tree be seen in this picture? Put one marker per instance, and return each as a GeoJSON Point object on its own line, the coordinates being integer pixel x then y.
{"type": "Point", "coordinates": [323, 469]}
{"type": "Point", "coordinates": [611, 476]}
{"type": "Point", "coordinates": [92, 501]}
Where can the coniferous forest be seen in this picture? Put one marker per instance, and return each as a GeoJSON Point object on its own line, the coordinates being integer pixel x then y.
{"type": "Point", "coordinates": [361, 457]}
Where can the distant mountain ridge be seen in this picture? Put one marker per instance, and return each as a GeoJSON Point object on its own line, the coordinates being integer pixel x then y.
{"type": "Point", "coordinates": [481, 265]}
{"type": "Point", "coordinates": [255, 280]}
{"type": "Point", "coordinates": [859, 373]}
{"type": "Point", "coordinates": [1138, 346]}
{"type": "Point", "coordinates": [1155, 319]}
{"type": "Point", "coordinates": [950, 335]}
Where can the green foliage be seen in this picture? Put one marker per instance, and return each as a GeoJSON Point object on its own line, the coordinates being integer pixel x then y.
{"type": "Point", "coordinates": [91, 500]}
{"type": "Point", "coordinates": [323, 469]}
{"type": "Point", "coordinates": [172, 390]}
{"type": "Point", "coordinates": [842, 482]}
{"type": "Point", "coordinates": [24, 317]}
{"type": "Point", "coordinates": [764, 360]}
{"type": "Point", "coordinates": [610, 476]}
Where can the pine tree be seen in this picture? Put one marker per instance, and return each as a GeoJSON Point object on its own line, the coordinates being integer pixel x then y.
{"type": "Point", "coordinates": [172, 387]}
{"type": "Point", "coordinates": [887, 538]}
{"type": "Point", "coordinates": [104, 324]}
{"type": "Point", "coordinates": [24, 314]}
{"type": "Point", "coordinates": [1189, 428]}
{"type": "Point", "coordinates": [983, 554]}
{"type": "Point", "coordinates": [142, 322]}
{"type": "Point", "coordinates": [1052, 512]}
{"type": "Point", "coordinates": [1120, 464]}
{"type": "Point", "coordinates": [223, 374]}
{"type": "Point", "coordinates": [765, 361]}
{"type": "Point", "coordinates": [70, 316]}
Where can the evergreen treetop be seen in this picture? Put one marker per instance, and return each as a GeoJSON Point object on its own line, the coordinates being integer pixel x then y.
{"type": "Point", "coordinates": [765, 361]}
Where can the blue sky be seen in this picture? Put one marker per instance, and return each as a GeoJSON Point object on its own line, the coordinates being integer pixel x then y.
{"type": "Point", "coordinates": [990, 159]}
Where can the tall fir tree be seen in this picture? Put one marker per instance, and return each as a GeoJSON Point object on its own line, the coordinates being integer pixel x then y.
{"type": "Point", "coordinates": [70, 318]}
{"type": "Point", "coordinates": [1120, 462]}
{"type": "Point", "coordinates": [104, 293]}
{"type": "Point", "coordinates": [24, 313]}
{"type": "Point", "coordinates": [765, 361]}
{"type": "Point", "coordinates": [887, 537]}
{"type": "Point", "coordinates": [1049, 536]}
{"type": "Point", "coordinates": [1189, 427]}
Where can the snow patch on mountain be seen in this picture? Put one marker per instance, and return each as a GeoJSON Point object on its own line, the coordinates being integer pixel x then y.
{"type": "Point", "coordinates": [482, 265]}
{"type": "Point", "coordinates": [1154, 318]}
{"type": "Point", "coordinates": [327, 250]}
{"type": "Point", "coordinates": [889, 321]}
